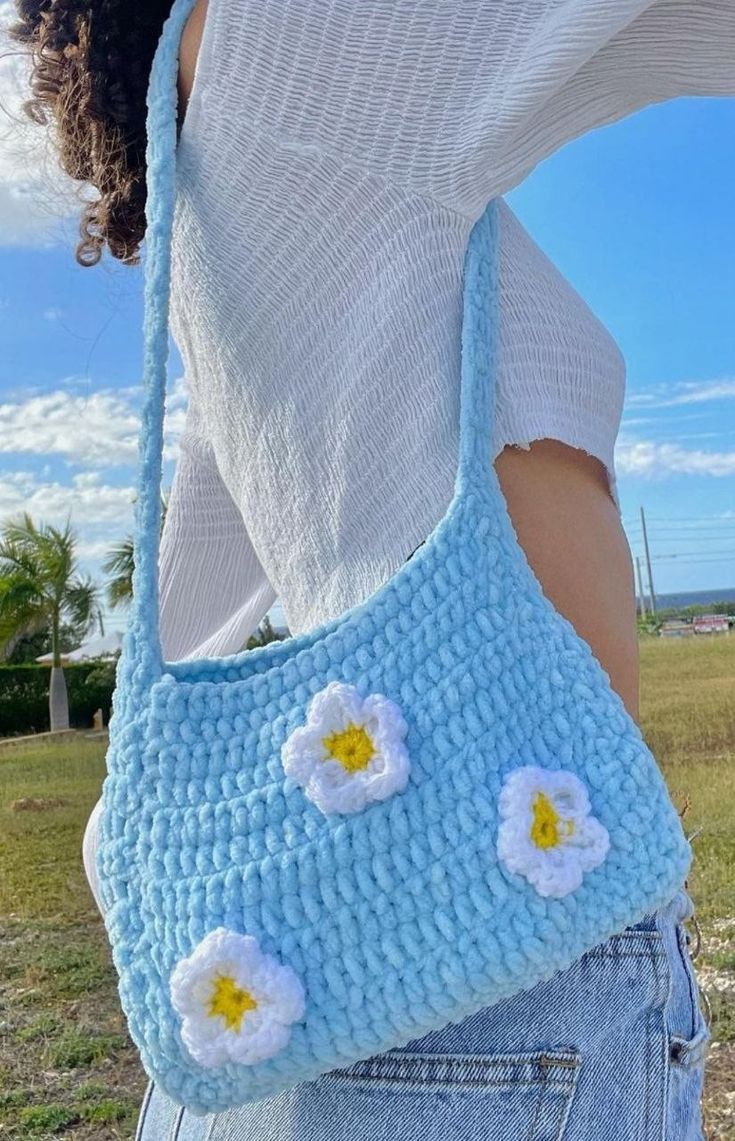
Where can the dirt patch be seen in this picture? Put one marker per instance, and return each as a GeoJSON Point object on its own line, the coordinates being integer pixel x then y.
{"type": "Point", "coordinates": [715, 966]}
{"type": "Point", "coordinates": [719, 1102]}
{"type": "Point", "coordinates": [37, 803]}
{"type": "Point", "coordinates": [67, 1065]}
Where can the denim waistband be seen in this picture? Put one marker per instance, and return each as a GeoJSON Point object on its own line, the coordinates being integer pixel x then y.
{"type": "Point", "coordinates": [677, 910]}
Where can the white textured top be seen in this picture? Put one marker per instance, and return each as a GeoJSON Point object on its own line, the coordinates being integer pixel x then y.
{"type": "Point", "coordinates": [333, 160]}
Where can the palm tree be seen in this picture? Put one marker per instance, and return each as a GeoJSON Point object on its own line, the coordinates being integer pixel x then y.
{"type": "Point", "coordinates": [120, 563]}
{"type": "Point", "coordinates": [41, 588]}
{"type": "Point", "coordinates": [263, 635]}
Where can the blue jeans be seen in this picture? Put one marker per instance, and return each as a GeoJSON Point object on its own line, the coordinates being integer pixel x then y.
{"type": "Point", "coordinates": [610, 1050]}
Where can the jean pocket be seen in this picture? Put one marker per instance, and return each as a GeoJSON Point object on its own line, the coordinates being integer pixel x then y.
{"type": "Point", "coordinates": [453, 1097]}
{"type": "Point", "coordinates": [688, 1039]}
{"type": "Point", "coordinates": [688, 1030]}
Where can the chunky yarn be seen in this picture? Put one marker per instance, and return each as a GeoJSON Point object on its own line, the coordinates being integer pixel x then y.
{"type": "Point", "coordinates": [325, 847]}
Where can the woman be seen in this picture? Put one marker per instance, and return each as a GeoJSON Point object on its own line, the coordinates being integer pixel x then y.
{"type": "Point", "coordinates": [332, 161]}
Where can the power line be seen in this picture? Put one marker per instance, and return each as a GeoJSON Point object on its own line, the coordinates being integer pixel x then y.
{"type": "Point", "coordinates": [700, 562]}
{"type": "Point", "coordinates": [639, 579]}
{"type": "Point", "coordinates": [651, 591]}
{"type": "Point", "coordinates": [668, 536]}
{"type": "Point", "coordinates": [687, 554]}
{"type": "Point", "coordinates": [685, 526]}
{"type": "Point", "coordinates": [683, 519]}
{"type": "Point", "coordinates": [658, 552]}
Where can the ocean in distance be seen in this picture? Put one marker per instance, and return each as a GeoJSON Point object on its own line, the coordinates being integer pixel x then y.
{"type": "Point", "coordinates": [695, 598]}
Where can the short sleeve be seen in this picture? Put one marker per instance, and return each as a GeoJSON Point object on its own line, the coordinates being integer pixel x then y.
{"type": "Point", "coordinates": [213, 588]}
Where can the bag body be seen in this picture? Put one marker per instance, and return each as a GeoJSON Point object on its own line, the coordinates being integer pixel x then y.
{"type": "Point", "coordinates": [324, 848]}
{"type": "Point", "coordinates": [584, 1056]}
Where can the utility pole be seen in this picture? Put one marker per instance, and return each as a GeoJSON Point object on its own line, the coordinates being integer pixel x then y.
{"type": "Point", "coordinates": [648, 564]}
{"type": "Point", "coordinates": [639, 580]}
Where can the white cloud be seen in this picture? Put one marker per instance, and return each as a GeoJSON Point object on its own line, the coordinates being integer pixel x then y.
{"type": "Point", "coordinates": [97, 430]}
{"type": "Point", "coordinates": [34, 193]}
{"type": "Point", "coordinates": [96, 550]}
{"type": "Point", "coordinates": [703, 436]}
{"type": "Point", "coordinates": [649, 460]}
{"type": "Point", "coordinates": [86, 479]}
{"type": "Point", "coordinates": [684, 392]}
{"type": "Point", "coordinates": [53, 314]}
{"type": "Point", "coordinates": [638, 421]}
{"type": "Point", "coordinates": [90, 432]}
{"type": "Point", "coordinates": [89, 503]}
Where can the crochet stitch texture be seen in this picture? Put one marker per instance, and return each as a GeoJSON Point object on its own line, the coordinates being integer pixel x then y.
{"type": "Point", "coordinates": [399, 917]}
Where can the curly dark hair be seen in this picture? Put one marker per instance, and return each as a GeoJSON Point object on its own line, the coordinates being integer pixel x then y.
{"type": "Point", "coordinates": [91, 62]}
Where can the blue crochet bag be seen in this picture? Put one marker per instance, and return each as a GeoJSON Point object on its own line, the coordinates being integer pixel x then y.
{"type": "Point", "coordinates": [320, 849]}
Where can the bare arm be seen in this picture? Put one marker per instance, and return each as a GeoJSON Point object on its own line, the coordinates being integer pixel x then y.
{"type": "Point", "coordinates": [566, 521]}
{"type": "Point", "coordinates": [190, 42]}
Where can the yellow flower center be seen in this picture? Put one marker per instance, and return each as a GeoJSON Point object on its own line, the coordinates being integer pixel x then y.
{"type": "Point", "coordinates": [230, 1002]}
{"type": "Point", "coordinates": [548, 829]}
{"type": "Point", "coordinates": [352, 747]}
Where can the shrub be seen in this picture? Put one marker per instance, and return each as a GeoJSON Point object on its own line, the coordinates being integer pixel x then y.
{"type": "Point", "coordinates": [44, 1119]}
{"type": "Point", "coordinates": [24, 696]}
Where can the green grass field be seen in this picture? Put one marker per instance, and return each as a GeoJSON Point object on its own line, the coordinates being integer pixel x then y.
{"type": "Point", "coordinates": [67, 1067]}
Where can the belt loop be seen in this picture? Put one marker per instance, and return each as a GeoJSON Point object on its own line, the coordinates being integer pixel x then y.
{"type": "Point", "coordinates": [676, 911]}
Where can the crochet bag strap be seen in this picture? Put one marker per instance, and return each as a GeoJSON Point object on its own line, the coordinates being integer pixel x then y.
{"type": "Point", "coordinates": [477, 365]}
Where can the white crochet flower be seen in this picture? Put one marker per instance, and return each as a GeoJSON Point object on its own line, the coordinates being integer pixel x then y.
{"type": "Point", "coordinates": [350, 752]}
{"type": "Point", "coordinates": [237, 1003]}
{"type": "Point", "coordinates": [546, 832]}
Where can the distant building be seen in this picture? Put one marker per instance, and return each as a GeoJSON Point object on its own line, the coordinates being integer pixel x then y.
{"type": "Point", "coordinates": [105, 649]}
{"type": "Point", "coordinates": [711, 624]}
{"type": "Point", "coordinates": [676, 628]}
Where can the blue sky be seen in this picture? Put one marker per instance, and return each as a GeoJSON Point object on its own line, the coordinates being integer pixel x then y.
{"type": "Point", "coordinates": [637, 216]}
